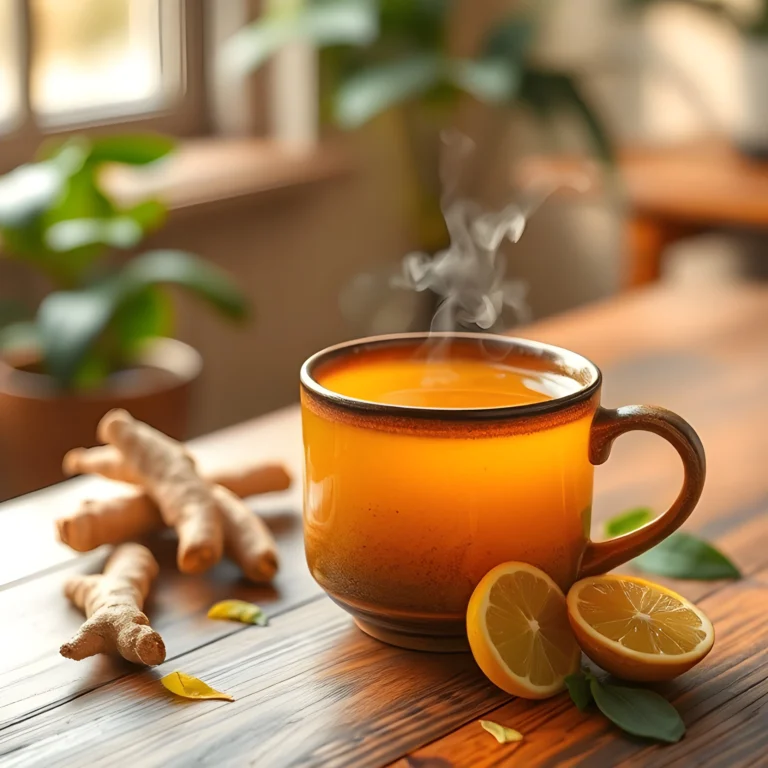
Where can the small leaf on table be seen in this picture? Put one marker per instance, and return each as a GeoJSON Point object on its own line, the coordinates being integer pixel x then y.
{"type": "Point", "coordinates": [578, 687]}
{"type": "Point", "coordinates": [628, 521]}
{"type": "Point", "coordinates": [239, 610]}
{"type": "Point", "coordinates": [191, 688]}
{"type": "Point", "coordinates": [501, 733]}
{"type": "Point", "coordinates": [680, 556]}
{"type": "Point", "coordinates": [638, 711]}
{"type": "Point", "coordinates": [683, 556]}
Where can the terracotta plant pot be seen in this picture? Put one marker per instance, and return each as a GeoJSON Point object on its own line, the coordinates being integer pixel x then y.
{"type": "Point", "coordinates": [39, 424]}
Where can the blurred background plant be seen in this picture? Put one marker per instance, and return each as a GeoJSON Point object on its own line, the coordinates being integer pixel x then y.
{"type": "Point", "coordinates": [382, 55]}
{"type": "Point", "coordinates": [56, 217]}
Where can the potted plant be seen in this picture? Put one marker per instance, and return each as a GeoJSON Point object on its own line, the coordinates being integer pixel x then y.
{"type": "Point", "coordinates": [100, 337]}
{"type": "Point", "coordinates": [381, 55]}
{"type": "Point", "coordinates": [751, 128]}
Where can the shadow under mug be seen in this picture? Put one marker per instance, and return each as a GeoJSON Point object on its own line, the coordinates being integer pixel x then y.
{"type": "Point", "coordinates": [406, 508]}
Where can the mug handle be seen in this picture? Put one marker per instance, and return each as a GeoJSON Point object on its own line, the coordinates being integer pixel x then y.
{"type": "Point", "coordinates": [607, 425]}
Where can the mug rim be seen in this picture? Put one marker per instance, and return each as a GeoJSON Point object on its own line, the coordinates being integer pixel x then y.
{"type": "Point", "coordinates": [562, 358]}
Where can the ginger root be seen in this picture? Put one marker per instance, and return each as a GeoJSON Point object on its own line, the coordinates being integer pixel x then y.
{"type": "Point", "coordinates": [247, 539]}
{"type": "Point", "coordinates": [246, 480]}
{"type": "Point", "coordinates": [109, 521]}
{"type": "Point", "coordinates": [105, 460]}
{"type": "Point", "coordinates": [112, 603]}
{"type": "Point", "coordinates": [135, 515]}
{"type": "Point", "coordinates": [168, 474]}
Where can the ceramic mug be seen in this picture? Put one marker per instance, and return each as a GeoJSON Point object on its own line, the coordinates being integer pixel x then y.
{"type": "Point", "coordinates": [408, 506]}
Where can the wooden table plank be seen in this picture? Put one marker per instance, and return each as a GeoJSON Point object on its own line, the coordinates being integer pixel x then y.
{"type": "Point", "coordinates": [724, 702]}
{"type": "Point", "coordinates": [702, 355]}
{"type": "Point", "coordinates": [34, 677]}
{"type": "Point", "coordinates": [310, 690]}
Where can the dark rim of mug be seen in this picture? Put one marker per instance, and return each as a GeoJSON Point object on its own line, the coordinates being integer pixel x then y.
{"type": "Point", "coordinates": [562, 360]}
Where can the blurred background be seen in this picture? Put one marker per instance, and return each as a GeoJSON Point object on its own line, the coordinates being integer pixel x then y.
{"type": "Point", "coordinates": [245, 177]}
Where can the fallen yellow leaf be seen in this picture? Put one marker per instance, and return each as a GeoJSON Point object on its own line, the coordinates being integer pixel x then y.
{"type": "Point", "coordinates": [501, 733]}
{"type": "Point", "coordinates": [238, 610]}
{"type": "Point", "coordinates": [191, 688]}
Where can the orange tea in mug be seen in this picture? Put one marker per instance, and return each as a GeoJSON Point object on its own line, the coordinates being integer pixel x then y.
{"type": "Point", "coordinates": [432, 459]}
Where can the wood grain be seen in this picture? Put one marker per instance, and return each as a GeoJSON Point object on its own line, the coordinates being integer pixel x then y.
{"type": "Point", "coordinates": [311, 690]}
{"type": "Point", "coordinates": [34, 677]}
{"type": "Point", "coordinates": [723, 701]}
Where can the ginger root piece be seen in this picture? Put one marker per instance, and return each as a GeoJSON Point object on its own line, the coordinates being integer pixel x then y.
{"type": "Point", "coordinates": [245, 480]}
{"type": "Point", "coordinates": [169, 476]}
{"type": "Point", "coordinates": [252, 479]}
{"type": "Point", "coordinates": [104, 460]}
{"type": "Point", "coordinates": [248, 540]}
{"type": "Point", "coordinates": [109, 521]}
{"type": "Point", "coordinates": [112, 603]}
{"type": "Point", "coordinates": [135, 515]}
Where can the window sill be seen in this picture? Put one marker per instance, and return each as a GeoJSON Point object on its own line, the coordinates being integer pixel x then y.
{"type": "Point", "coordinates": [206, 174]}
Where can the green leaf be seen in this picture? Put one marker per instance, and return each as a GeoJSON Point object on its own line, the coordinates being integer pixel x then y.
{"type": "Point", "coordinates": [547, 91]}
{"type": "Point", "coordinates": [493, 80]}
{"type": "Point", "coordinates": [333, 22]}
{"type": "Point", "coordinates": [372, 91]}
{"type": "Point", "coordinates": [69, 235]}
{"type": "Point", "coordinates": [188, 271]}
{"type": "Point", "coordinates": [683, 556]}
{"type": "Point", "coordinates": [149, 214]}
{"type": "Point", "coordinates": [70, 322]}
{"type": "Point", "coordinates": [501, 733]}
{"type": "Point", "coordinates": [145, 315]}
{"type": "Point", "coordinates": [628, 521]}
{"type": "Point", "coordinates": [131, 149]}
{"type": "Point", "coordinates": [511, 40]}
{"type": "Point", "coordinates": [578, 687]}
{"type": "Point", "coordinates": [421, 24]}
{"type": "Point", "coordinates": [680, 555]}
{"type": "Point", "coordinates": [638, 711]}
{"type": "Point", "coordinates": [28, 191]}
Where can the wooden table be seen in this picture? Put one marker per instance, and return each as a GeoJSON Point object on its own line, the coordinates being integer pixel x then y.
{"type": "Point", "coordinates": [311, 689]}
{"type": "Point", "coordinates": [675, 192]}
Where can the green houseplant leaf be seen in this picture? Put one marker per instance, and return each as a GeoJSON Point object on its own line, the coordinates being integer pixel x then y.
{"type": "Point", "coordinates": [70, 322]}
{"type": "Point", "coordinates": [546, 91]}
{"type": "Point", "coordinates": [28, 191]}
{"type": "Point", "coordinates": [374, 90]}
{"type": "Point", "coordinates": [494, 81]}
{"type": "Point", "coordinates": [680, 555]}
{"type": "Point", "coordinates": [71, 234]}
{"type": "Point", "coordinates": [328, 22]}
{"type": "Point", "coordinates": [131, 149]}
{"type": "Point", "coordinates": [638, 711]}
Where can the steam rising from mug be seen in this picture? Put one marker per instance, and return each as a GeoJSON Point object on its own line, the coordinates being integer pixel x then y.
{"type": "Point", "coordinates": [468, 276]}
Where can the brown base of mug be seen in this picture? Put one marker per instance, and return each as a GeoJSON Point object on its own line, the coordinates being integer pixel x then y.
{"type": "Point", "coordinates": [406, 638]}
{"type": "Point", "coordinates": [437, 634]}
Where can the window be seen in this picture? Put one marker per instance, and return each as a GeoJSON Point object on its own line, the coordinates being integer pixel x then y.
{"type": "Point", "coordinates": [74, 63]}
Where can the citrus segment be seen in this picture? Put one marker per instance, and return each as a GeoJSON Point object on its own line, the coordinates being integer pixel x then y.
{"type": "Point", "coordinates": [518, 631]}
{"type": "Point", "coordinates": [637, 630]}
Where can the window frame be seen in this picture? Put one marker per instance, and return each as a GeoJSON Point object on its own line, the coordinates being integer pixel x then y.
{"type": "Point", "coordinates": [186, 115]}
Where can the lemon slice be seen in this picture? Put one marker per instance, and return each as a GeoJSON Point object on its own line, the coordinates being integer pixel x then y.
{"type": "Point", "coordinates": [518, 631]}
{"type": "Point", "coordinates": [638, 630]}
